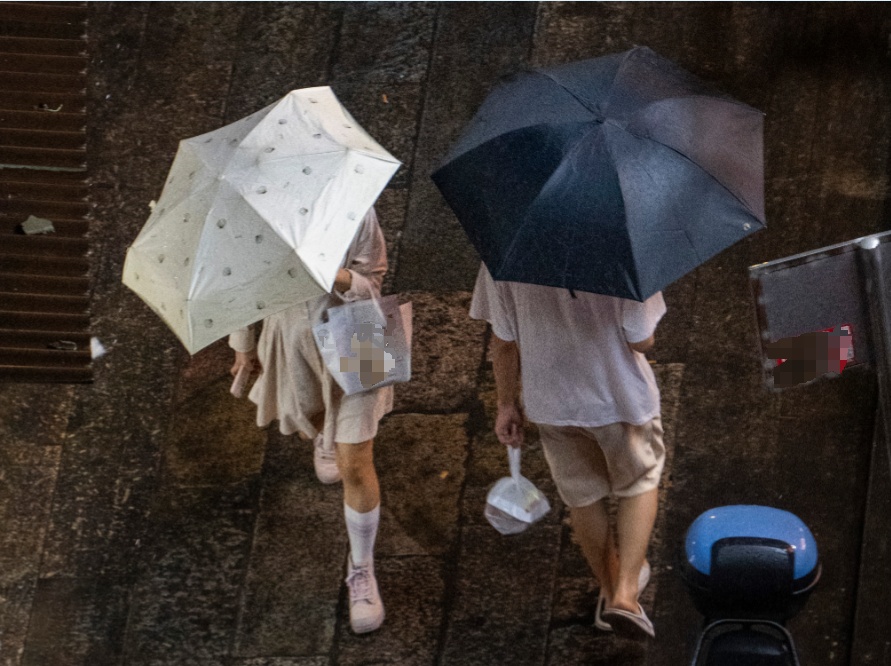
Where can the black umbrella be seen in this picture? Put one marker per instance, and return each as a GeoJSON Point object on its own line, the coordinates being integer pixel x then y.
{"type": "Point", "coordinates": [616, 175]}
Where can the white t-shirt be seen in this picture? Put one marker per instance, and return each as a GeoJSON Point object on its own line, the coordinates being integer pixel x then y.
{"type": "Point", "coordinates": [576, 366]}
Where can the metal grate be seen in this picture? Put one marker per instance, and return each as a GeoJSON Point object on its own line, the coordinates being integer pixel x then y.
{"type": "Point", "coordinates": [44, 302]}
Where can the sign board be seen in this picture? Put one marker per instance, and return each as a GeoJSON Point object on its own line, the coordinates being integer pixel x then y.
{"type": "Point", "coordinates": [813, 307]}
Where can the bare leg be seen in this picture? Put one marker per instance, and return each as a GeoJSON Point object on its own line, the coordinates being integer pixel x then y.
{"type": "Point", "coordinates": [634, 525]}
{"type": "Point", "coordinates": [590, 524]}
{"type": "Point", "coordinates": [361, 491]}
{"type": "Point", "coordinates": [361, 496]}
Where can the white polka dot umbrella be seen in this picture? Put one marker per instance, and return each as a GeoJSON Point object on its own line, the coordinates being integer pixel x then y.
{"type": "Point", "coordinates": [256, 216]}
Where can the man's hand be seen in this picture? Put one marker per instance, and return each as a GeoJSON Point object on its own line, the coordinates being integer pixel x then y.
{"type": "Point", "coordinates": [506, 366]}
{"type": "Point", "coordinates": [643, 346]}
{"type": "Point", "coordinates": [246, 359]}
{"type": "Point", "coordinates": [509, 425]}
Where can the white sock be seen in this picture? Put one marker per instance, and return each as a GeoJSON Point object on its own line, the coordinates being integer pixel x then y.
{"type": "Point", "coordinates": [362, 532]}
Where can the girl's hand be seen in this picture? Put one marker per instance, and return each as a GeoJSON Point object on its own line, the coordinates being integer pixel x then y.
{"type": "Point", "coordinates": [246, 359]}
{"type": "Point", "coordinates": [343, 281]}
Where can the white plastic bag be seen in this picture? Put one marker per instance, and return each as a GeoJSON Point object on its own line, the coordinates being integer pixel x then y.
{"type": "Point", "coordinates": [514, 503]}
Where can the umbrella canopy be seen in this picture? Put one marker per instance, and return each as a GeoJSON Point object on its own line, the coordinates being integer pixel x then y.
{"type": "Point", "coordinates": [616, 175]}
{"type": "Point", "coordinates": [256, 216]}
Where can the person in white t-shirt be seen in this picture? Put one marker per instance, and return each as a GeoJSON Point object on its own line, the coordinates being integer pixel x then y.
{"type": "Point", "coordinates": [587, 385]}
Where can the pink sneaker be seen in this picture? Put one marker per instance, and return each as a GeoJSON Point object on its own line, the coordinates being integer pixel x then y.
{"type": "Point", "coordinates": [366, 607]}
{"type": "Point", "coordinates": [324, 462]}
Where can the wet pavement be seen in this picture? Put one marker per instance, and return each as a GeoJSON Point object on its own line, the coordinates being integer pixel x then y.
{"type": "Point", "coordinates": [146, 520]}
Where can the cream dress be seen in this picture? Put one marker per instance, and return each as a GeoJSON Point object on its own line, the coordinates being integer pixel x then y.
{"type": "Point", "coordinates": [295, 386]}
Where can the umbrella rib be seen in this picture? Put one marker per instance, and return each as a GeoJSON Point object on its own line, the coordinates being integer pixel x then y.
{"type": "Point", "coordinates": [513, 244]}
{"type": "Point", "coordinates": [587, 106]}
{"type": "Point", "coordinates": [723, 100]}
{"type": "Point", "coordinates": [345, 151]}
{"type": "Point", "coordinates": [596, 111]}
{"type": "Point", "coordinates": [707, 173]}
{"type": "Point", "coordinates": [575, 148]}
{"type": "Point", "coordinates": [683, 230]}
{"type": "Point", "coordinates": [282, 158]}
{"type": "Point", "coordinates": [527, 222]}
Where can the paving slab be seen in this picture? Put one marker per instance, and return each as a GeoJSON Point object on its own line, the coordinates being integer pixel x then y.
{"type": "Point", "coordinates": [672, 335]}
{"type": "Point", "coordinates": [280, 661]}
{"type": "Point", "coordinates": [378, 72]}
{"type": "Point", "coordinates": [140, 160]}
{"type": "Point", "coordinates": [390, 208]}
{"type": "Point", "coordinates": [871, 643]}
{"type": "Point", "coordinates": [385, 42]}
{"type": "Point", "coordinates": [122, 38]}
{"type": "Point", "coordinates": [185, 605]}
{"type": "Point", "coordinates": [207, 366]}
{"type": "Point", "coordinates": [420, 461]}
{"type": "Point", "coordinates": [182, 88]}
{"type": "Point", "coordinates": [109, 466]}
{"type": "Point", "coordinates": [694, 36]}
{"type": "Point", "coordinates": [821, 456]}
{"type": "Point", "coordinates": [852, 163]}
{"type": "Point", "coordinates": [76, 621]}
{"type": "Point", "coordinates": [34, 418]}
{"type": "Point", "coordinates": [791, 194]}
{"type": "Point", "coordinates": [112, 447]}
{"type": "Point", "coordinates": [191, 662]}
{"type": "Point", "coordinates": [699, 41]}
{"type": "Point", "coordinates": [216, 440]}
{"type": "Point", "coordinates": [16, 602]}
{"type": "Point", "coordinates": [457, 83]}
{"type": "Point", "coordinates": [585, 645]}
{"type": "Point", "coordinates": [282, 46]}
{"type": "Point", "coordinates": [296, 568]}
{"type": "Point", "coordinates": [569, 31]}
{"type": "Point", "coordinates": [446, 352]}
{"type": "Point", "coordinates": [503, 595]}
{"type": "Point", "coordinates": [575, 597]}
{"type": "Point", "coordinates": [412, 589]}
{"type": "Point", "coordinates": [26, 493]}
{"type": "Point", "coordinates": [188, 63]}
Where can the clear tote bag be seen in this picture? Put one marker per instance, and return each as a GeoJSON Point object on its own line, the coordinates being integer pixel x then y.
{"type": "Point", "coordinates": [367, 344]}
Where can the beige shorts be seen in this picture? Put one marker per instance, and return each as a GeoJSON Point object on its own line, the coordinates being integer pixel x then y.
{"type": "Point", "coordinates": [617, 459]}
{"type": "Point", "coordinates": [359, 414]}
{"type": "Point", "coordinates": [295, 387]}
{"type": "Point", "coordinates": [355, 417]}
